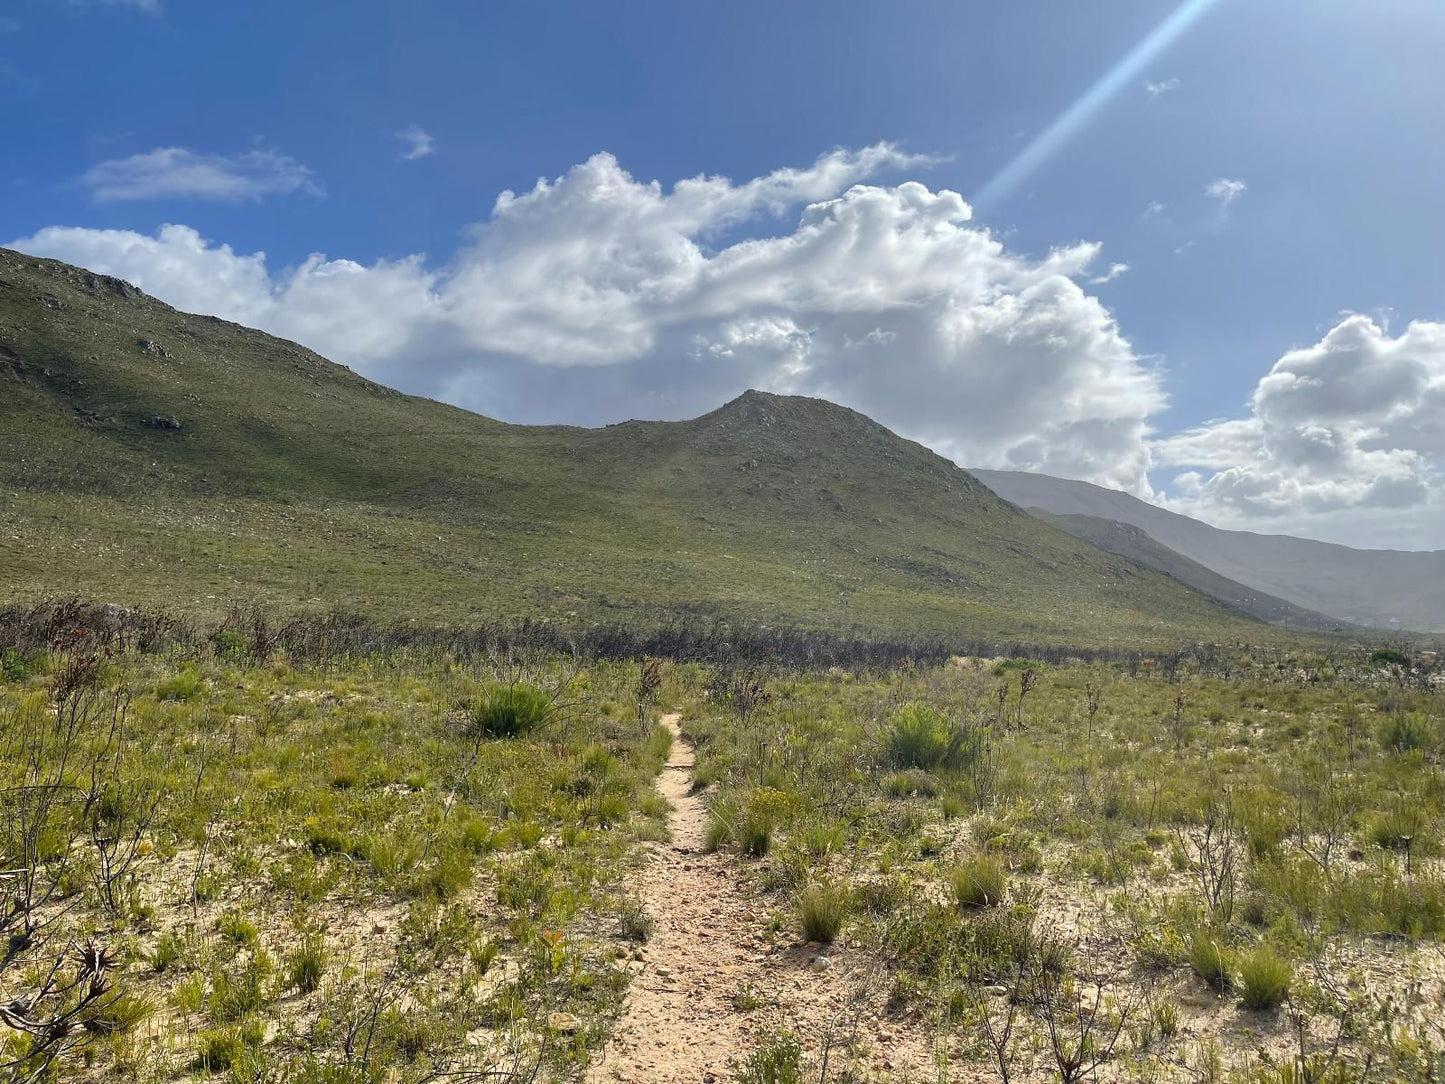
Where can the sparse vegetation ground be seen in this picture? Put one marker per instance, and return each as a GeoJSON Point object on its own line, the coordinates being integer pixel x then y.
{"type": "Point", "coordinates": [1145, 872]}
{"type": "Point", "coordinates": [316, 872]}
{"type": "Point", "coordinates": [248, 856]}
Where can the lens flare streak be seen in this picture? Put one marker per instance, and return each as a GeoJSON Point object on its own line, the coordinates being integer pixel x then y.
{"type": "Point", "coordinates": [1069, 123]}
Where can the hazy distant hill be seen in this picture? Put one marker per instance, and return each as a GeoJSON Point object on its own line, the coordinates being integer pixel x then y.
{"type": "Point", "coordinates": [1134, 543]}
{"type": "Point", "coordinates": [1366, 587]}
{"type": "Point", "coordinates": [147, 454]}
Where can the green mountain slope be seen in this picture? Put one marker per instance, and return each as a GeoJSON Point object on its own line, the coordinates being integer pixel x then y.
{"type": "Point", "coordinates": [150, 455]}
{"type": "Point", "coordinates": [1134, 543]}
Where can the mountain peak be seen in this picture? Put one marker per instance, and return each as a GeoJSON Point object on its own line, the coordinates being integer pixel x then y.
{"type": "Point", "coordinates": [768, 406]}
{"type": "Point", "coordinates": [792, 415]}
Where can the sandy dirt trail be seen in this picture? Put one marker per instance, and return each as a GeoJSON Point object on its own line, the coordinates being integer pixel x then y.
{"type": "Point", "coordinates": [680, 1022]}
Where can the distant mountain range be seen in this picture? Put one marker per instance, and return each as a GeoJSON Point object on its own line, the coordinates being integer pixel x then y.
{"type": "Point", "coordinates": [1265, 574]}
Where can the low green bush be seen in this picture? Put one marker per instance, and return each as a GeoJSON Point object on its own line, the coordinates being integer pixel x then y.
{"type": "Point", "coordinates": [917, 737]}
{"type": "Point", "coordinates": [634, 922]}
{"type": "Point", "coordinates": [1383, 901]}
{"type": "Point", "coordinates": [393, 854]}
{"type": "Point", "coordinates": [1264, 979]}
{"type": "Point", "coordinates": [1398, 828]}
{"type": "Point", "coordinates": [166, 953]}
{"type": "Point", "coordinates": [217, 1049]}
{"type": "Point", "coordinates": [923, 737]}
{"type": "Point", "coordinates": [763, 811]}
{"type": "Point", "coordinates": [483, 952]}
{"type": "Point", "coordinates": [510, 711]}
{"type": "Point", "coordinates": [446, 877]}
{"type": "Point", "coordinates": [1404, 732]}
{"type": "Point", "coordinates": [719, 831]}
{"type": "Point", "coordinates": [779, 1060]}
{"type": "Point", "coordinates": [979, 882]}
{"type": "Point", "coordinates": [221, 1049]}
{"type": "Point", "coordinates": [238, 929]}
{"type": "Point", "coordinates": [912, 783]}
{"type": "Point", "coordinates": [120, 1013]}
{"type": "Point", "coordinates": [307, 964]}
{"type": "Point", "coordinates": [230, 643]}
{"type": "Point", "coordinates": [1165, 1017]}
{"type": "Point", "coordinates": [820, 840]}
{"type": "Point", "coordinates": [755, 833]}
{"type": "Point", "coordinates": [1293, 881]}
{"type": "Point", "coordinates": [240, 992]}
{"type": "Point", "coordinates": [14, 666]}
{"type": "Point", "coordinates": [326, 836]}
{"type": "Point", "coordinates": [823, 908]}
{"type": "Point", "coordinates": [182, 685]}
{"type": "Point", "coordinates": [1211, 958]}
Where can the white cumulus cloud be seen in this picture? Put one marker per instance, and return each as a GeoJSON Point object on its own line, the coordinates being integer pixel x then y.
{"type": "Point", "coordinates": [1348, 433]}
{"type": "Point", "coordinates": [595, 296]}
{"type": "Point", "coordinates": [175, 172]}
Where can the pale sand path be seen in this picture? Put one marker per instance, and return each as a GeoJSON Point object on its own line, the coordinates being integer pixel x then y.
{"type": "Point", "coordinates": [679, 1022]}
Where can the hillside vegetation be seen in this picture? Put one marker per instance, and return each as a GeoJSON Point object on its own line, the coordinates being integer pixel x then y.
{"type": "Point", "coordinates": [154, 457]}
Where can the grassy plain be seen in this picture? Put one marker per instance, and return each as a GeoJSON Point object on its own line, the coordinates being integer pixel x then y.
{"type": "Point", "coordinates": [418, 861]}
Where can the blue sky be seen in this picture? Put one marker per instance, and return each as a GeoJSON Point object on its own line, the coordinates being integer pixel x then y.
{"type": "Point", "coordinates": [1317, 122]}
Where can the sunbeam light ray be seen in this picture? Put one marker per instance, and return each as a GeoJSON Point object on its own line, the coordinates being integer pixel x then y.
{"type": "Point", "coordinates": [1069, 123]}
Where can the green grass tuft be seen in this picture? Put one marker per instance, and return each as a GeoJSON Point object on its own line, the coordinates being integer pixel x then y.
{"type": "Point", "coordinates": [979, 882]}
{"type": "Point", "coordinates": [511, 711]}
{"type": "Point", "coordinates": [925, 738]}
{"type": "Point", "coordinates": [1264, 979]}
{"type": "Point", "coordinates": [1405, 732]}
{"type": "Point", "coordinates": [1211, 958]}
{"type": "Point", "coordinates": [306, 965]}
{"type": "Point", "coordinates": [823, 908]}
{"type": "Point", "coordinates": [779, 1060]}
